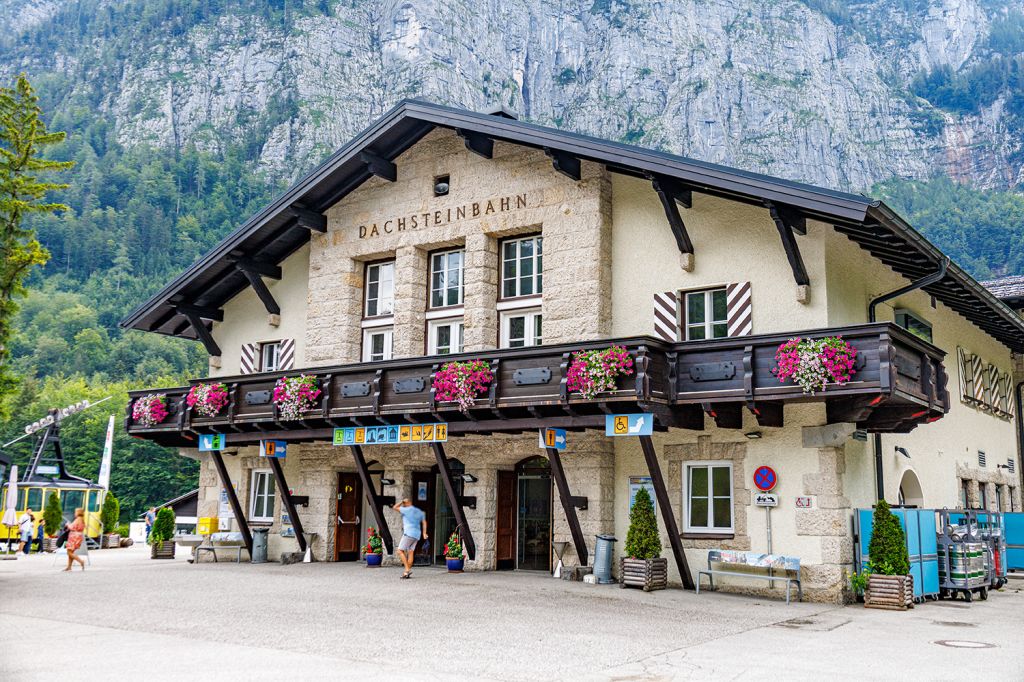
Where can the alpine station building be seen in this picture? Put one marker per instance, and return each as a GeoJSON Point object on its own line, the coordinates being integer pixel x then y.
{"type": "Point", "coordinates": [441, 234]}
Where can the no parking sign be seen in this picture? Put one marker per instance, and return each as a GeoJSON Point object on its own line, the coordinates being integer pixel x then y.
{"type": "Point", "coordinates": [765, 478]}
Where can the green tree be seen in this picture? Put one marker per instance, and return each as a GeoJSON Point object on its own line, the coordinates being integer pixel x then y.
{"type": "Point", "coordinates": [23, 137]}
{"type": "Point", "coordinates": [642, 538]}
{"type": "Point", "coordinates": [888, 547]}
{"type": "Point", "coordinates": [163, 527]}
{"type": "Point", "coordinates": [53, 519]}
{"type": "Point", "coordinates": [109, 513]}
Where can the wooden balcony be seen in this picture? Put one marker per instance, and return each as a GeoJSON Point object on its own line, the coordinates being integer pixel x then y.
{"type": "Point", "coordinates": [899, 383]}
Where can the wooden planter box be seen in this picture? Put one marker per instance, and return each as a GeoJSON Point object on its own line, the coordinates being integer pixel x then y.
{"type": "Point", "coordinates": [49, 544]}
{"type": "Point", "coordinates": [111, 540]}
{"type": "Point", "coordinates": [647, 574]}
{"type": "Point", "coordinates": [894, 592]}
{"type": "Point", "coordinates": [162, 550]}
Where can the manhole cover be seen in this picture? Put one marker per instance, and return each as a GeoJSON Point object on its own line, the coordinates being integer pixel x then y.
{"type": "Point", "coordinates": [955, 623]}
{"type": "Point", "coordinates": [964, 644]}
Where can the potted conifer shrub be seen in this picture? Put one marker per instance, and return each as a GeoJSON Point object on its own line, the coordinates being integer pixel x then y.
{"type": "Point", "coordinates": [161, 538]}
{"type": "Point", "coordinates": [53, 520]}
{"type": "Point", "coordinates": [109, 513]}
{"type": "Point", "coordinates": [889, 583]}
{"type": "Point", "coordinates": [643, 565]}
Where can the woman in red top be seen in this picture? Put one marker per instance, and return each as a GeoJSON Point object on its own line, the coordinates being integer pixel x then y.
{"type": "Point", "coordinates": [75, 538]}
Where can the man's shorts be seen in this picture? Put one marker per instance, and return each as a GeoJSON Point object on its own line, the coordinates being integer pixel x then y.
{"type": "Point", "coordinates": [407, 544]}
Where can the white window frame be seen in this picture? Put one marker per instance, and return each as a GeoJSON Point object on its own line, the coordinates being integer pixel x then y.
{"type": "Point", "coordinates": [458, 334]}
{"type": "Point", "coordinates": [531, 314]}
{"type": "Point", "coordinates": [379, 299]}
{"type": "Point", "coordinates": [688, 526]}
{"type": "Point", "coordinates": [255, 498]}
{"type": "Point", "coordinates": [447, 269]}
{"type": "Point", "coordinates": [538, 266]}
{"type": "Point", "coordinates": [709, 308]}
{"type": "Point", "coordinates": [389, 342]}
{"type": "Point", "coordinates": [264, 348]}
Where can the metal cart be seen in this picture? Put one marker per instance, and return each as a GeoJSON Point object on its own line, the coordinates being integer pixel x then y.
{"type": "Point", "coordinates": [988, 526]}
{"type": "Point", "coordinates": [961, 558]}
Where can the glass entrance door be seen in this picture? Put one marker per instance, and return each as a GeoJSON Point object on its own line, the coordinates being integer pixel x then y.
{"type": "Point", "coordinates": [534, 523]}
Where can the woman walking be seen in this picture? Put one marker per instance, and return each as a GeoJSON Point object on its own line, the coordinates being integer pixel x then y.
{"type": "Point", "coordinates": [75, 538]}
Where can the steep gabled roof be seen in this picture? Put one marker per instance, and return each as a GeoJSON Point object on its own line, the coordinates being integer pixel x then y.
{"type": "Point", "coordinates": [275, 232]}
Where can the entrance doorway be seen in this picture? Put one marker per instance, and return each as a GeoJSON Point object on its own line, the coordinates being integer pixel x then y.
{"type": "Point", "coordinates": [348, 533]}
{"type": "Point", "coordinates": [524, 516]}
{"type": "Point", "coordinates": [429, 495]}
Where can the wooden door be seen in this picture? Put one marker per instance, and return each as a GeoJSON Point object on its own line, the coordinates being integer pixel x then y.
{"type": "Point", "coordinates": [347, 538]}
{"type": "Point", "coordinates": [423, 490]}
{"type": "Point", "coordinates": [505, 545]}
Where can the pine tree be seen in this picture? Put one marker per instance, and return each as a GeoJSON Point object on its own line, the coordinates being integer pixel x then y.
{"type": "Point", "coordinates": [52, 516]}
{"type": "Point", "coordinates": [642, 539]}
{"type": "Point", "coordinates": [23, 136]}
{"type": "Point", "coordinates": [888, 547]}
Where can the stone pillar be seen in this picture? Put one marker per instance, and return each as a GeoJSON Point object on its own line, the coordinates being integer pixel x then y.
{"type": "Point", "coordinates": [590, 472]}
{"type": "Point", "coordinates": [410, 302]}
{"type": "Point", "coordinates": [830, 521]}
{"type": "Point", "coordinates": [481, 293]}
{"type": "Point", "coordinates": [335, 306]}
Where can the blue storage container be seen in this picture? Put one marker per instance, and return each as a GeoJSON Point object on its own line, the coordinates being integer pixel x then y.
{"type": "Point", "coordinates": [919, 528]}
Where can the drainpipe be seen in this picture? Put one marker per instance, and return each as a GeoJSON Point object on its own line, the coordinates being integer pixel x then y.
{"type": "Point", "coordinates": [917, 284]}
{"type": "Point", "coordinates": [1020, 439]}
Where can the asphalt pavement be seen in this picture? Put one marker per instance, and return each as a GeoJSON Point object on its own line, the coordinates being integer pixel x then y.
{"type": "Point", "coordinates": [128, 617]}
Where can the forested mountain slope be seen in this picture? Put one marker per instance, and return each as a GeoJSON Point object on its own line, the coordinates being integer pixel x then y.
{"type": "Point", "coordinates": [186, 116]}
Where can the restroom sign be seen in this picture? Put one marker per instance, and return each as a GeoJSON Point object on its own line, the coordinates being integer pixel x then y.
{"type": "Point", "coordinates": [273, 448]}
{"type": "Point", "coordinates": [765, 478]}
{"type": "Point", "coordinates": [552, 438]}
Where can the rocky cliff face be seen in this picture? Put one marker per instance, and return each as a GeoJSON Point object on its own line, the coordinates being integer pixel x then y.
{"type": "Point", "coordinates": [818, 91]}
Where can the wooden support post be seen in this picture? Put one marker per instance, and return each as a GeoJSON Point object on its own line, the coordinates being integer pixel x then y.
{"type": "Point", "coordinates": [262, 291]}
{"type": "Point", "coordinates": [202, 333]}
{"type": "Point", "coordinates": [787, 222]}
{"type": "Point", "coordinates": [454, 500]}
{"type": "Point", "coordinates": [236, 507]}
{"type": "Point", "coordinates": [308, 219]}
{"type": "Point", "coordinates": [376, 504]}
{"type": "Point", "coordinates": [567, 505]}
{"type": "Point", "coordinates": [379, 166]}
{"type": "Point", "coordinates": [668, 516]}
{"type": "Point", "coordinates": [565, 163]}
{"type": "Point", "coordinates": [671, 192]}
{"type": "Point", "coordinates": [289, 503]}
{"type": "Point", "coordinates": [477, 143]}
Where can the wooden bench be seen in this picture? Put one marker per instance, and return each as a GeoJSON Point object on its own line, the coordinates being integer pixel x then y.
{"type": "Point", "coordinates": [222, 541]}
{"type": "Point", "coordinates": [776, 567]}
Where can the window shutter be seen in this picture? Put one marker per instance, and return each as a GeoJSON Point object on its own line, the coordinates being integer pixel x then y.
{"type": "Point", "coordinates": [286, 354]}
{"type": "Point", "coordinates": [992, 387]}
{"type": "Point", "coordinates": [738, 311]}
{"type": "Point", "coordinates": [1008, 398]}
{"type": "Point", "coordinates": [666, 316]}
{"type": "Point", "coordinates": [248, 362]}
{"type": "Point", "coordinates": [978, 380]}
{"type": "Point", "coordinates": [966, 375]}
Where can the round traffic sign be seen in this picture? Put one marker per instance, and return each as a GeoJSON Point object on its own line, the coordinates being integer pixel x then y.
{"type": "Point", "coordinates": [765, 478]}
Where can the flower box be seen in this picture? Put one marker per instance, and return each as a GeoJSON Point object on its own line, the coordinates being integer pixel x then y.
{"type": "Point", "coordinates": [593, 372]}
{"type": "Point", "coordinates": [162, 550]}
{"type": "Point", "coordinates": [207, 400]}
{"type": "Point", "coordinates": [895, 592]}
{"type": "Point", "coordinates": [294, 395]}
{"type": "Point", "coordinates": [150, 410]}
{"type": "Point", "coordinates": [647, 574]}
{"type": "Point", "coordinates": [462, 382]}
{"type": "Point", "coordinates": [110, 541]}
{"type": "Point", "coordinates": [812, 364]}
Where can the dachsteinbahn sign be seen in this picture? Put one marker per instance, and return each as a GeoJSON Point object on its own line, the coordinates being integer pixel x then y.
{"type": "Point", "coordinates": [416, 221]}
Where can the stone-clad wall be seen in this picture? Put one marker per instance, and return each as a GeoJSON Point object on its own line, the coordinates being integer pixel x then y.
{"type": "Point", "coordinates": [516, 192]}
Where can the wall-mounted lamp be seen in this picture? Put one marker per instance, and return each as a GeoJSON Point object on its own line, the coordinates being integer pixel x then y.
{"type": "Point", "coordinates": [903, 451]}
{"type": "Point", "coordinates": [1002, 466]}
{"type": "Point", "coordinates": [387, 481]}
{"type": "Point", "coordinates": [468, 478]}
{"type": "Point", "coordinates": [753, 435]}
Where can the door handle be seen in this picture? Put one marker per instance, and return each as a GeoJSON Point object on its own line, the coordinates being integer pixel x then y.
{"type": "Point", "coordinates": [344, 522]}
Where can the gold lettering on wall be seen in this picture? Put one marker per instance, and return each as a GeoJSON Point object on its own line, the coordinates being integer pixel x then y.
{"type": "Point", "coordinates": [416, 221]}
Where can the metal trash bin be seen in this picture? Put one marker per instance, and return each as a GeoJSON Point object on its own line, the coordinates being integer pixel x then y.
{"type": "Point", "coordinates": [603, 554]}
{"type": "Point", "coordinates": [259, 545]}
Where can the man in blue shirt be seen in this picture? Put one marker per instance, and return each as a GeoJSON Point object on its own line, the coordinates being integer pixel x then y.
{"type": "Point", "coordinates": [414, 527]}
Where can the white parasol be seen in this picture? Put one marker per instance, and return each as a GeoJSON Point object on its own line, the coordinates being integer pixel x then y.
{"type": "Point", "coordinates": [11, 508]}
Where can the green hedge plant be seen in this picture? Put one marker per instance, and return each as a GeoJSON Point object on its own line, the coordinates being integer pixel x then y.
{"type": "Point", "coordinates": [888, 547]}
{"type": "Point", "coordinates": [163, 527]}
{"type": "Point", "coordinates": [109, 513]}
{"type": "Point", "coordinates": [642, 539]}
{"type": "Point", "coordinates": [53, 519]}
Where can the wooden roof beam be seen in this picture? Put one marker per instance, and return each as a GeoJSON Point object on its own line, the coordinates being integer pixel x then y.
{"type": "Point", "coordinates": [200, 312]}
{"type": "Point", "coordinates": [787, 221]}
{"type": "Point", "coordinates": [379, 166]}
{"type": "Point", "coordinates": [202, 333]}
{"type": "Point", "coordinates": [262, 268]}
{"type": "Point", "coordinates": [308, 219]}
{"type": "Point", "coordinates": [477, 143]}
{"type": "Point", "coordinates": [262, 292]}
{"type": "Point", "coordinates": [671, 193]}
{"type": "Point", "coordinates": [565, 163]}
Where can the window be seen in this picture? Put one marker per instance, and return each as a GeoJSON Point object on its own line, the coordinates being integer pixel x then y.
{"type": "Point", "coordinates": [999, 497]}
{"type": "Point", "coordinates": [446, 278]}
{"type": "Point", "coordinates": [94, 501]}
{"type": "Point", "coordinates": [270, 356]}
{"type": "Point", "coordinates": [983, 495]}
{"type": "Point", "coordinates": [445, 337]}
{"type": "Point", "coordinates": [965, 494]}
{"type": "Point", "coordinates": [706, 315]}
{"type": "Point", "coordinates": [708, 503]}
{"type": "Point", "coordinates": [262, 496]}
{"type": "Point", "coordinates": [914, 324]}
{"type": "Point", "coordinates": [35, 499]}
{"type": "Point", "coordinates": [521, 328]}
{"type": "Point", "coordinates": [380, 289]}
{"type": "Point", "coordinates": [522, 267]}
{"type": "Point", "coordinates": [377, 343]}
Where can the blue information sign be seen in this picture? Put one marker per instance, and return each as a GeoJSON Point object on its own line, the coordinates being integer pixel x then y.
{"type": "Point", "coordinates": [552, 438]}
{"type": "Point", "coordinates": [391, 435]}
{"type": "Point", "coordinates": [208, 442]}
{"type": "Point", "coordinates": [273, 448]}
{"type": "Point", "coordinates": [628, 424]}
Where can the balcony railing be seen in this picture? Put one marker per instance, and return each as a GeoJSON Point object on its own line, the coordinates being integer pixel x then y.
{"type": "Point", "coordinates": [899, 383]}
